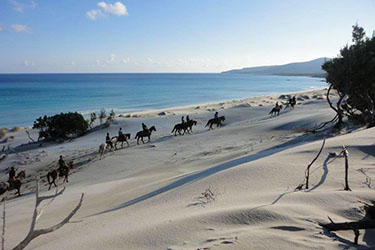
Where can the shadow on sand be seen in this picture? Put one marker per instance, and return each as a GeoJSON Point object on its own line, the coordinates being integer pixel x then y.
{"type": "Point", "coordinates": [218, 168]}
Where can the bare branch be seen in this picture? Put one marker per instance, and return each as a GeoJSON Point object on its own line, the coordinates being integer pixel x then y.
{"type": "Point", "coordinates": [28, 135]}
{"type": "Point", "coordinates": [307, 172]}
{"type": "Point", "coordinates": [32, 234]}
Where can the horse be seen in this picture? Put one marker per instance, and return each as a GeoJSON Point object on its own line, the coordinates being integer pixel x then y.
{"type": "Point", "coordinates": [145, 133]}
{"type": "Point", "coordinates": [13, 184]}
{"type": "Point", "coordinates": [121, 139]}
{"type": "Point", "coordinates": [60, 172]}
{"type": "Point", "coordinates": [177, 128]}
{"type": "Point", "coordinates": [105, 146]}
{"type": "Point", "coordinates": [218, 121]}
{"type": "Point", "coordinates": [275, 110]}
{"type": "Point", "coordinates": [188, 126]}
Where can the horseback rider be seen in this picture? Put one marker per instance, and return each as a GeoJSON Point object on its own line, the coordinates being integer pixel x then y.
{"type": "Point", "coordinates": [182, 119]}
{"type": "Point", "coordinates": [216, 115]}
{"type": "Point", "coordinates": [62, 164]}
{"type": "Point", "coordinates": [144, 127]}
{"type": "Point", "coordinates": [12, 174]}
{"type": "Point", "coordinates": [108, 140]}
{"type": "Point", "coordinates": [187, 118]}
{"type": "Point", "coordinates": [277, 105]}
{"type": "Point", "coordinates": [120, 134]}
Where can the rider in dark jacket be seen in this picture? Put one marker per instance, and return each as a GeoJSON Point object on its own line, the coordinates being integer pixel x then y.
{"type": "Point", "coordinates": [120, 134]}
{"type": "Point", "coordinates": [144, 127]}
{"type": "Point", "coordinates": [187, 118]}
{"type": "Point", "coordinates": [108, 140]}
{"type": "Point", "coordinates": [183, 119]}
{"type": "Point", "coordinates": [12, 174]}
{"type": "Point", "coordinates": [216, 115]}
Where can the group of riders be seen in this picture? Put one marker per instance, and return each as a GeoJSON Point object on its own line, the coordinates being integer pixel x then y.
{"type": "Point", "coordinates": [291, 103]}
{"type": "Point", "coordinates": [145, 129]}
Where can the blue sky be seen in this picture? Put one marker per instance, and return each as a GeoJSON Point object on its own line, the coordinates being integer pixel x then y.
{"type": "Point", "coordinates": [172, 35]}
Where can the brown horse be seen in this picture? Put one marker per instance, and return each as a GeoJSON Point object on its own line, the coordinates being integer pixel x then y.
{"type": "Point", "coordinates": [13, 184]}
{"type": "Point", "coordinates": [60, 172]}
{"type": "Point", "coordinates": [145, 133]}
{"type": "Point", "coordinates": [121, 139]}
{"type": "Point", "coordinates": [218, 121]}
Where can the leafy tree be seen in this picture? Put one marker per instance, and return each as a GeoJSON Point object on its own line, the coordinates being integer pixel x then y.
{"type": "Point", "coordinates": [352, 75]}
{"type": "Point", "coordinates": [102, 115]}
{"type": "Point", "coordinates": [61, 126]}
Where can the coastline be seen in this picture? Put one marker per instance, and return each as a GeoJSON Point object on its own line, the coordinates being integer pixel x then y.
{"type": "Point", "coordinates": [267, 100]}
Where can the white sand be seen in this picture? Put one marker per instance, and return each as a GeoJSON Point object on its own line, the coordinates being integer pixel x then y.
{"type": "Point", "coordinates": [147, 196]}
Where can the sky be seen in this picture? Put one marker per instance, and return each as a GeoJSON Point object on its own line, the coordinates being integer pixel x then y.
{"type": "Point", "coordinates": [87, 36]}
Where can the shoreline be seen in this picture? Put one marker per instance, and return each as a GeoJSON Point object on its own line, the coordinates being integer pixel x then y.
{"type": "Point", "coordinates": [265, 100]}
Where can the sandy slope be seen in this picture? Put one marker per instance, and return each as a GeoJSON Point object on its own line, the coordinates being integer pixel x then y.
{"type": "Point", "coordinates": [148, 196]}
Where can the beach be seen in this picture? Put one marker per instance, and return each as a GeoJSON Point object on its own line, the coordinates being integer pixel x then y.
{"type": "Point", "coordinates": [149, 196]}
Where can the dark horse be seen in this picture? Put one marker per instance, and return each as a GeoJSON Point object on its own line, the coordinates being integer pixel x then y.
{"type": "Point", "coordinates": [60, 172]}
{"type": "Point", "coordinates": [121, 139]}
{"type": "Point", "coordinates": [218, 121]}
{"type": "Point", "coordinates": [186, 127]}
{"type": "Point", "coordinates": [13, 184]}
{"type": "Point", "coordinates": [276, 110]}
{"type": "Point", "coordinates": [145, 133]}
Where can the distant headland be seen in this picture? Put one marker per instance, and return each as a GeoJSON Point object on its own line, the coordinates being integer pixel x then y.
{"type": "Point", "coordinates": [311, 68]}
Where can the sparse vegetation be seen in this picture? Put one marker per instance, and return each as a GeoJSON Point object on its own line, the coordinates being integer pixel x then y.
{"type": "Point", "coordinates": [15, 129]}
{"type": "Point", "coordinates": [102, 116]}
{"type": "Point", "coordinates": [92, 118]}
{"type": "Point", "coordinates": [3, 132]}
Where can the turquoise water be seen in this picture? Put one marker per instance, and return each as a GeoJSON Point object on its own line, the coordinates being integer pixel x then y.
{"type": "Point", "coordinates": [25, 97]}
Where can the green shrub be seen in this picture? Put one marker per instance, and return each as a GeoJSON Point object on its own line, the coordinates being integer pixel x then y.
{"type": "Point", "coordinates": [61, 126]}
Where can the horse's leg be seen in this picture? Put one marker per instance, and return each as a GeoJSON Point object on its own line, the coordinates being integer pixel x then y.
{"type": "Point", "coordinates": [142, 140]}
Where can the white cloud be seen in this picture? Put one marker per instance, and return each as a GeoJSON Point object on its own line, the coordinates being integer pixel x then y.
{"type": "Point", "coordinates": [117, 8]}
{"type": "Point", "coordinates": [28, 63]}
{"type": "Point", "coordinates": [125, 60]}
{"type": "Point", "coordinates": [111, 58]}
{"type": "Point", "coordinates": [20, 28]}
{"type": "Point", "coordinates": [94, 14]}
{"type": "Point", "coordinates": [19, 6]}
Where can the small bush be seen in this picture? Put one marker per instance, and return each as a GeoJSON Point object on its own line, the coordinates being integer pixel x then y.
{"type": "Point", "coordinates": [102, 115]}
{"type": "Point", "coordinates": [15, 129]}
{"type": "Point", "coordinates": [61, 126]}
{"type": "Point", "coordinates": [3, 132]}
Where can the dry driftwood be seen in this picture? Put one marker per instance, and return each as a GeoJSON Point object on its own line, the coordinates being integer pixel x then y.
{"type": "Point", "coordinates": [33, 233]}
{"type": "Point", "coordinates": [345, 152]}
{"type": "Point", "coordinates": [368, 222]}
{"type": "Point", "coordinates": [307, 172]}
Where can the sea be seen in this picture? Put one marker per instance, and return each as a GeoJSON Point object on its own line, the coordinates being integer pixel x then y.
{"type": "Point", "coordinates": [25, 97]}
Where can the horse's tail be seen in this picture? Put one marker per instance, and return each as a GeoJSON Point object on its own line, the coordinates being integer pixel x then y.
{"type": "Point", "coordinates": [48, 178]}
{"type": "Point", "coordinates": [270, 112]}
{"type": "Point", "coordinates": [208, 123]}
{"type": "Point", "coordinates": [174, 128]}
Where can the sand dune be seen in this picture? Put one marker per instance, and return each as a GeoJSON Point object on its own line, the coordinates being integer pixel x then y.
{"type": "Point", "coordinates": [150, 196]}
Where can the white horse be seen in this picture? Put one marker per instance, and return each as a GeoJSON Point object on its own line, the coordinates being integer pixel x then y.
{"type": "Point", "coordinates": [105, 146]}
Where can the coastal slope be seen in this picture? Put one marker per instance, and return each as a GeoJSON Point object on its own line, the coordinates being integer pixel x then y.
{"type": "Point", "coordinates": [149, 196]}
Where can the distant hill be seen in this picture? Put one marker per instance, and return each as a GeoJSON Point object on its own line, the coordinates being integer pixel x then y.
{"type": "Point", "coordinates": [310, 68]}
